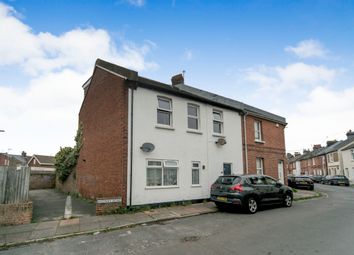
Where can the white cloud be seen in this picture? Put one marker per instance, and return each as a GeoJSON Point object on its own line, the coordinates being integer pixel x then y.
{"type": "Point", "coordinates": [188, 54]}
{"type": "Point", "coordinates": [42, 115]}
{"type": "Point", "coordinates": [138, 3]}
{"type": "Point", "coordinates": [308, 49]}
{"type": "Point", "coordinates": [293, 76]}
{"type": "Point", "coordinates": [325, 115]}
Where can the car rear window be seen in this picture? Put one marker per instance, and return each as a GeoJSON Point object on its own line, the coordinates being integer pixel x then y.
{"type": "Point", "coordinates": [302, 178]}
{"type": "Point", "coordinates": [339, 177]}
{"type": "Point", "coordinates": [228, 180]}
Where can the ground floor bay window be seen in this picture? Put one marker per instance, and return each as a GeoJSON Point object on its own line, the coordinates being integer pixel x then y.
{"type": "Point", "coordinates": [161, 173]}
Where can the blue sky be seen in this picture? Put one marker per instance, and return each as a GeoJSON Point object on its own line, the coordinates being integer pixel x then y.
{"type": "Point", "coordinates": [293, 58]}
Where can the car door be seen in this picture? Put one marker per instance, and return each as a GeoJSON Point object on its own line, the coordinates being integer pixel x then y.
{"type": "Point", "coordinates": [261, 188]}
{"type": "Point", "coordinates": [274, 194]}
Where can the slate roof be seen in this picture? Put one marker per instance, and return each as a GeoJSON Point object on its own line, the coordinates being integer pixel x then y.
{"type": "Point", "coordinates": [339, 145]}
{"type": "Point", "coordinates": [45, 160]}
{"type": "Point", "coordinates": [189, 92]}
{"type": "Point", "coordinates": [348, 147]}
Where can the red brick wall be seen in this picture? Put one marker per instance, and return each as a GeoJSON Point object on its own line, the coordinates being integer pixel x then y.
{"type": "Point", "coordinates": [16, 214]}
{"type": "Point", "coordinates": [102, 166]}
{"type": "Point", "coordinates": [3, 158]}
{"type": "Point", "coordinates": [272, 150]}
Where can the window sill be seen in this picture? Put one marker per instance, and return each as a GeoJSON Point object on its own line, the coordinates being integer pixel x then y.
{"type": "Point", "coordinates": [161, 187]}
{"type": "Point", "coordinates": [164, 127]}
{"type": "Point", "coordinates": [194, 131]}
{"type": "Point", "coordinates": [259, 141]}
{"type": "Point", "coordinates": [196, 186]}
{"type": "Point", "coordinates": [218, 135]}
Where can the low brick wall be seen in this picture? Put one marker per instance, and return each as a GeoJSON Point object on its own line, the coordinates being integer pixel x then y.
{"type": "Point", "coordinates": [107, 205]}
{"type": "Point", "coordinates": [16, 214]}
{"type": "Point", "coordinates": [42, 180]}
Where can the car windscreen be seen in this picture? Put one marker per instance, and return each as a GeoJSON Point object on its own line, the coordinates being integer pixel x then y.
{"type": "Point", "coordinates": [228, 180]}
{"type": "Point", "coordinates": [302, 178]}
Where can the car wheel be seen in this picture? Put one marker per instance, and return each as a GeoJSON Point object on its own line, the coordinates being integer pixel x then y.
{"type": "Point", "coordinates": [252, 205]}
{"type": "Point", "coordinates": [288, 200]}
{"type": "Point", "coordinates": [332, 183]}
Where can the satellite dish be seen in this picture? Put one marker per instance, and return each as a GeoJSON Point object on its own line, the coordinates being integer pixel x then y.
{"type": "Point", "coordinates": [221, 141]}
{"type": "Point", "coordinates": [147, 147]}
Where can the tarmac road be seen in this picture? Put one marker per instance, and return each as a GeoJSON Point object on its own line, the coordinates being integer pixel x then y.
{"type": "Point", "coordinates": [317, 226]}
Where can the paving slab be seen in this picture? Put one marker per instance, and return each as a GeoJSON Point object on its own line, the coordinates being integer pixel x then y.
{"type": "Point", "coordinates": [61, 230]}
{"type": "Point", "coordinates": [18, 237]}
{"type": "Point", "coordinates": [37, 234]}
{"type": "Point", "coordinates": [46, 225]}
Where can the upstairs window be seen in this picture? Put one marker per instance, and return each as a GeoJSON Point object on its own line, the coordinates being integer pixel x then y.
{"type": "Point", "coordinates": [164, 111]}
{"type": "Point", "coordinates": [257, 131]}
{"type": "Point", "coordinates": [217, 122]}
{"type": "Point", "coordinates": [193, 116]}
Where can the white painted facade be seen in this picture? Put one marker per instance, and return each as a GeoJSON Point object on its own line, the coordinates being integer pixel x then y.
{"type": "Point", "coordinates": [348, 163]}
{"type": "Point", "coordinates": [180, 144]}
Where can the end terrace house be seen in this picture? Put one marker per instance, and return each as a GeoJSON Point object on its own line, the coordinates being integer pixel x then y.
{"type": "Point", "coordinates": [148, 142]}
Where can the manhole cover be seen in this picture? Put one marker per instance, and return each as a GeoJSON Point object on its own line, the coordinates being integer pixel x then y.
{"type": "Point", "coordinates": [190, 238]}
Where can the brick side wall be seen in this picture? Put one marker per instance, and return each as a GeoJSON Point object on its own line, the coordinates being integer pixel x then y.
{"type": "Point", "coordinates": [16, 214]}
{"type": "Point", "coordinates": [102, 166]}
{"type": "Point", "coordinates": [272, 150]}
{"type": "Point", "coordinates": [42, 180]}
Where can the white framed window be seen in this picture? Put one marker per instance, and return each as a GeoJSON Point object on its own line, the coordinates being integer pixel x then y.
{"type": "Point", "coordinates": [313, 161]}
{"type": "Point", "coordinates": [218, 122]}
{"type": "Point", "coordinates": [352, 151]}
{"type": "Point", "coordinates": [195, 173]}
{"type": "Point", "coordinates": [164, 111]}
{"type": "Point", "coordinates": [259, 166]}
{"type": "Point", "coordinates": [161, 173]}
{"type": "Point", "coordinates": [330, 157]}
{"type": "Point", "coordinates": [193, 116]}
{"type": "Point", "coordinates": [257, 130]}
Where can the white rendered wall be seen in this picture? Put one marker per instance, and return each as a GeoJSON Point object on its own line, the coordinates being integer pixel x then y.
{"type": "Point", "coordinates": [348, 164]}
{"type": "Point", "coordinates": [178, 144]}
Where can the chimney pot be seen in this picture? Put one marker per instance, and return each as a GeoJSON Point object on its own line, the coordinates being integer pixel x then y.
{"type": "Point", "coordinates": [350, 134]}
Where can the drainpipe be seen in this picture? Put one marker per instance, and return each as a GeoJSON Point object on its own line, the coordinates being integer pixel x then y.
{"type": "Point", "coordinates": [131, 146]}
{"type": "Point", "coordinates": [245, 137]}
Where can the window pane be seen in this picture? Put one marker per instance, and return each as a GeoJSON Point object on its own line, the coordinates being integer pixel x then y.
{"type": "Point", "coordinates": [154, 177]}
{"type": "Point", "coordinates": [217, 127]}
{"type": "Point", "coordinates": [163, 118]}
{"type": "Point", "coordinates": [192, 110]}
{"type": "Point", "coordinates": [170, 176]}
{"type": "Point", "coordinates": [192, 123]}
{"type": "Point", "coordinates": [164, 104]}
{"type": "Point", "coordinates": [195, 176]}
{"type": "Point", "coordinates": [168, 163]}
{"type": "Point", "coordinates": [195, 164]}
{"type": "Point", "coordinates": [217, 116]}
{"type": "Point", "coordinates": [154, 163]}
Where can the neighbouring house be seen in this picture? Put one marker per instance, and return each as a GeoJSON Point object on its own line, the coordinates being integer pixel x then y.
{"type": "Point", "coordinates": [42, 172]}
{"type": "Point", "coordinates": [334, 155]}
{"type": "Point", "coordinates": [294, 166]}
{"type": "Point", "coordinates": [348, 161]}
{"type": "Point", "coordinates": [147, 142]}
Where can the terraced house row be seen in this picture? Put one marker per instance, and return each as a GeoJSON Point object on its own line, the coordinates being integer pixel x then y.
{"type": "Point", "coordinates": [147, 142]}
{"type": "Point", "coordinates": [336, 158]}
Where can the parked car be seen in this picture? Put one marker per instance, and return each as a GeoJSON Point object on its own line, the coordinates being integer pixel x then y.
{"type": "Point", "coordinates": [337, 180]}
{"type": "Point", "coordinates": [300, 182]}
{"type": "Point", "coordinates": [250, 192]}
{"type": "Point", "coordinates": [316, 178]}
{"type": "Point", "coordinates": [326, 179]}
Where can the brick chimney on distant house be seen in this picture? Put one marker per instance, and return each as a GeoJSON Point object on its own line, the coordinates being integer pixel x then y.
{"type": "Point", "coordinates": [177, 79]}
{"type": "Point", "coordinates": [297, 154]}
{"type": "Point", "coordinates": [350, 134]}
{"type": "Point", "coordinates": [317, 146]}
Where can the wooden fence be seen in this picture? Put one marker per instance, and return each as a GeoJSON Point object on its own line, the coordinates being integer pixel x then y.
{"type": "Point", "coordinates": [14, 184]}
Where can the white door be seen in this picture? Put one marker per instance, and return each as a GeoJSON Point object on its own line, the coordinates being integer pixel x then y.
{"type": "Point", "coordinates": [281, 171]}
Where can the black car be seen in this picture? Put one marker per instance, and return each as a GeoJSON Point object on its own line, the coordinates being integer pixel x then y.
{"type": "Point", "coordinates": [336, 180]}
{"type": "Point", "coordinates": [316, 178]}
{"type": "Point", "coordinates": [250, 192]}
{"type": "Point", "coordinates": [300, 182]}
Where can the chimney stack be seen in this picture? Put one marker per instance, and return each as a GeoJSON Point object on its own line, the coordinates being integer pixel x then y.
{"type": "Point", "coordinates": [317, 146]}
{"type": "Point", "coordinates": [329, 143]}
{"type": "Point", "coordinates": [177, 79]}
{"type": "Point", "coordinates": [297, 154]}
{"type": "Point", "coordinates": [350, 134]}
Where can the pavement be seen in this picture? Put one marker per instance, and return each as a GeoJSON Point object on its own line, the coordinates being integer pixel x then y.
{"type": "Point", "coordinates": [56, 229]}
{"type": "Point", "coordinates": [49, 204]}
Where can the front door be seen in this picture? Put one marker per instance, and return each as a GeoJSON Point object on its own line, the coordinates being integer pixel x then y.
{"type": "Point", "coordinates": [281, 171]}
{"type": "Point", "coordinates": [227, 169]}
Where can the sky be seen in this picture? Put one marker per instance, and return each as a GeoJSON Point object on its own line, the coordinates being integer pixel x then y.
{"type": "Point", "coordinates": [292, 58]}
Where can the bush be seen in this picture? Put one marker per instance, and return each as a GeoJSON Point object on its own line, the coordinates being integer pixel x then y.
{"type": "Point", "coordinates": [66, 158]}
